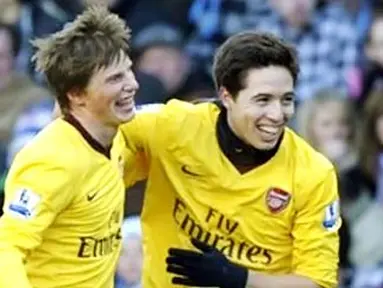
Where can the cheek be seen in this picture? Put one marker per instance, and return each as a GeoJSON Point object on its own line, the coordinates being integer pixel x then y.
{"type": "Point", "coordinates": [289, 111]}
{"type": "Point", "coordinates": [249, 116]}
{"type": "Point", "coordinates": [319, 130]}
{"type": "Point", "coordinates": [110, 94]}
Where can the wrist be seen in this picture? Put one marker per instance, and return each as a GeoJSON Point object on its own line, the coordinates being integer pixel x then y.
{"type": "Point", "coordinates": [235, 276]}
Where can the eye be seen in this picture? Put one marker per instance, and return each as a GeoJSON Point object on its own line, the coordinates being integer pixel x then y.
{"type": "Point", "coordinates": [287, 100]}
{"type": "Point", "coordinates": [116, 77]}
{"type": "Point", "coordinates": [262, 100]}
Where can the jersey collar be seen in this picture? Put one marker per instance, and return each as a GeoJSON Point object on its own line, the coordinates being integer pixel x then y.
{"type": "Point", "coordinates": [91, 141]}
{"type": "Point", "coordinates": [238, 152]}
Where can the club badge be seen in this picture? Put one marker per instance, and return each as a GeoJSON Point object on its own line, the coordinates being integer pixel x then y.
{"type": "Point", "coordinates": [277, 199]}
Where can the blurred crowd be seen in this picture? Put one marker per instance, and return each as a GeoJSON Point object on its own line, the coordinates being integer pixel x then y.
{"type": "Point", "coordinates": [339, 92]}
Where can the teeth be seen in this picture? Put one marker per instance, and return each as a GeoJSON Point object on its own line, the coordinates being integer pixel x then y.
{"type": "Point", "coordinates": [122, 103]}
{"type": "Point", "coordinates": [269, 129]}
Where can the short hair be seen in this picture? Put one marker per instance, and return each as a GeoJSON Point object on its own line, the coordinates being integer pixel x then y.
{"type": "Point", "coordinates": [70, 57]}
{"type": "Point", "coordinates": [248, 50]}
{"type": "Point", "coordinates": [14, 34]}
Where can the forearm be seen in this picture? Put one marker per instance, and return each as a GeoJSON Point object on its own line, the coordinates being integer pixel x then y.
{"type": "Point", "coordinates": [260, 280]}
{"type": "Point", "coordinates": [12, 269]}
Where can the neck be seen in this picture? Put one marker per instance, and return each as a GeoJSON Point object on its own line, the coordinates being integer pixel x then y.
{"type": "Point", "coordinates": [242, 155]}
{"type": "Point", "coordinates": [230, 127]}
{"type": "Point", "coordinates": [102, 133]}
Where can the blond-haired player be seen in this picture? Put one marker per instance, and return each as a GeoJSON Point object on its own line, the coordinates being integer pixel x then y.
{"type": "Point", "coordinates": [64, 195]}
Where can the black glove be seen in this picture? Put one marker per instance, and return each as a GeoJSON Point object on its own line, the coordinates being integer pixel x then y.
{"type": "Point", "coordinates": [207, 269]}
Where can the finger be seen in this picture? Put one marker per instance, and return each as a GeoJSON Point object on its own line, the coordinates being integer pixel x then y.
{"type": "Point", "coordinates": [202, 246]}
{"type": "Point", "coordinates": [180, 271]}
{"type": "Point", "coordinates": [184, 253]}
{"type": "Point", "coordinates": [183, 281]}
{"type": "Point", "coordinates": [185, 262]}
{"type": "Point", "coordinates": [190, 282]}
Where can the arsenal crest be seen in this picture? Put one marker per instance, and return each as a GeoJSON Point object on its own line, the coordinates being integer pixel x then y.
{"type": "Point", "coordinates": [277, 199]}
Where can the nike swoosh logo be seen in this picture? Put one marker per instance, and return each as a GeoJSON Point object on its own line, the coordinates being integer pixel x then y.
{"type": "Point", "coordinates": [186, 170]}
{"type": "Point", "coordinates": [90, 197]}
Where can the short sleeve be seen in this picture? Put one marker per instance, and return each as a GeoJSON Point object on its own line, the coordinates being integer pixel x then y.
{"type": "Point", "coordinates": [315, 232]}
{"type": "Point", "coordinates": [35, 193]}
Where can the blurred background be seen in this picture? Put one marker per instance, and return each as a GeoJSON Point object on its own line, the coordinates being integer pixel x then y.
{"type": "Point", "coordinates": [339, 93]}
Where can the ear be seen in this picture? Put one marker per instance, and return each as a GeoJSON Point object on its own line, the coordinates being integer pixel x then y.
{"type": "Point", "coordinates": [76, 97]}
{"type": "Point", "coordinates": [225, 97]}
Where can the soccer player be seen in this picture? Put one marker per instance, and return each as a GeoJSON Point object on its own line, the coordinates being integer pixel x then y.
{"type": "Point", "coordinates": [259, 202]}
{"type": "Point", "coordinates": [64, 196]}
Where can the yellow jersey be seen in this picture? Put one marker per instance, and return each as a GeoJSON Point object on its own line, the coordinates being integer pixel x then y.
{"type": "Point", "coordinates": [281, 217]}
{"type": "Point", "coordinates": [64, 203]}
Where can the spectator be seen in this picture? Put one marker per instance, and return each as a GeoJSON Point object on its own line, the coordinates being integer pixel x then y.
{"type": "Point", "coordinates": [34, 118]}
{"type": "Point", "coordinates": [130, 263]}
{"type": "Point", "coordinates": [361, 12]}
{"type": "Point", "coordinates": [159, 51]}
{"type": "Point", "coordinates": [42, 17]}
{"type": "Point", "coordinates": [327, 122]}
{"type": "Point", "coordinates": [16, 90]}
{"type": "Point", "coordinates": [143, 13]}
{"type": "Point", "coordinates": [361, 189]}
{"type": "Point", "coordinates": [322, 32]}
{"type": "Point", "coordinates": [369, 76]}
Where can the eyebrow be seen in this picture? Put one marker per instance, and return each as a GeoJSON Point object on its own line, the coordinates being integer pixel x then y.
{"type": "Point", "coordinates": [109, 77]}
{"type": "Point", "coordinates": [290, 93]}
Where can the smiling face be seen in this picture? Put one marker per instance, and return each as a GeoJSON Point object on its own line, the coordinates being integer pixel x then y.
{"type": "Point", "coordinates": [109, 95]}
{"type": "Point", "coordinates": [261, 110]}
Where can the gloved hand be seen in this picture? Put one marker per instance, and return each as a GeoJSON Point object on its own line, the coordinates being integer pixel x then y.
{"type": "Point", "coordinates": [207, 269]}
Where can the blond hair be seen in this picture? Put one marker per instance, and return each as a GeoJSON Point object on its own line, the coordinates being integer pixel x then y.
{"type": "Point", "coordinates": [307, 110]}
{"type": "Point", "coordinates": [71, 56]}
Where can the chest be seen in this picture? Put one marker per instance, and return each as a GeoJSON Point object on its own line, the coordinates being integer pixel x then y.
{"type": "Point", "coordinates": [207, 189]}
{"type": "Point", "coordinates": [99, 202]}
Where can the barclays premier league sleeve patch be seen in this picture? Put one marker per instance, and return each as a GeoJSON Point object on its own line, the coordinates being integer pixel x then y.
{"type": "Point", "coordinates": [332, 216]}
{"type": "Point", "coordinates": [24, 204]}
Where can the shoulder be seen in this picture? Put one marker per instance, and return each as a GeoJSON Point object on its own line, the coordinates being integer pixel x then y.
{"type": "Point", "coordinates": [176, 107]}
{"type": "Point", "coordinates": [56, 144]}
{"type": "Point", "coordinates": [308, 163]}
{"type": "Point", "coordinates": [175, 115]}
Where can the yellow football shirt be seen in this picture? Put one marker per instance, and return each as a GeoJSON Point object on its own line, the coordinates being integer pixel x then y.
{"type": "Point", "coordinates": [64, 203]}
{"type": "Point", "coordinates": [281, 217]}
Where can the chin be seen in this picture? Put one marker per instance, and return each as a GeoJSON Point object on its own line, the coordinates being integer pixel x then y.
{"type": "Point", "coordinates": [265, 145]}
{"type": "Point", "coordinates": [125, 117]}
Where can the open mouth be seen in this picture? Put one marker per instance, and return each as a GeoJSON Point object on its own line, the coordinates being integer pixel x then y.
{"type": "Point", "coordinates": [269, 133]}
{"type": "Point", "coordinates": [125, 104]}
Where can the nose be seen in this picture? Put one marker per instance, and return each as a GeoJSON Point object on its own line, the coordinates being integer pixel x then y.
{"type": "Point", "coordinates": [131, 82]}
{"type": "Point", "coordinates": [135, 83]}
{"type": "Point", "coordinates": [275, 112]}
